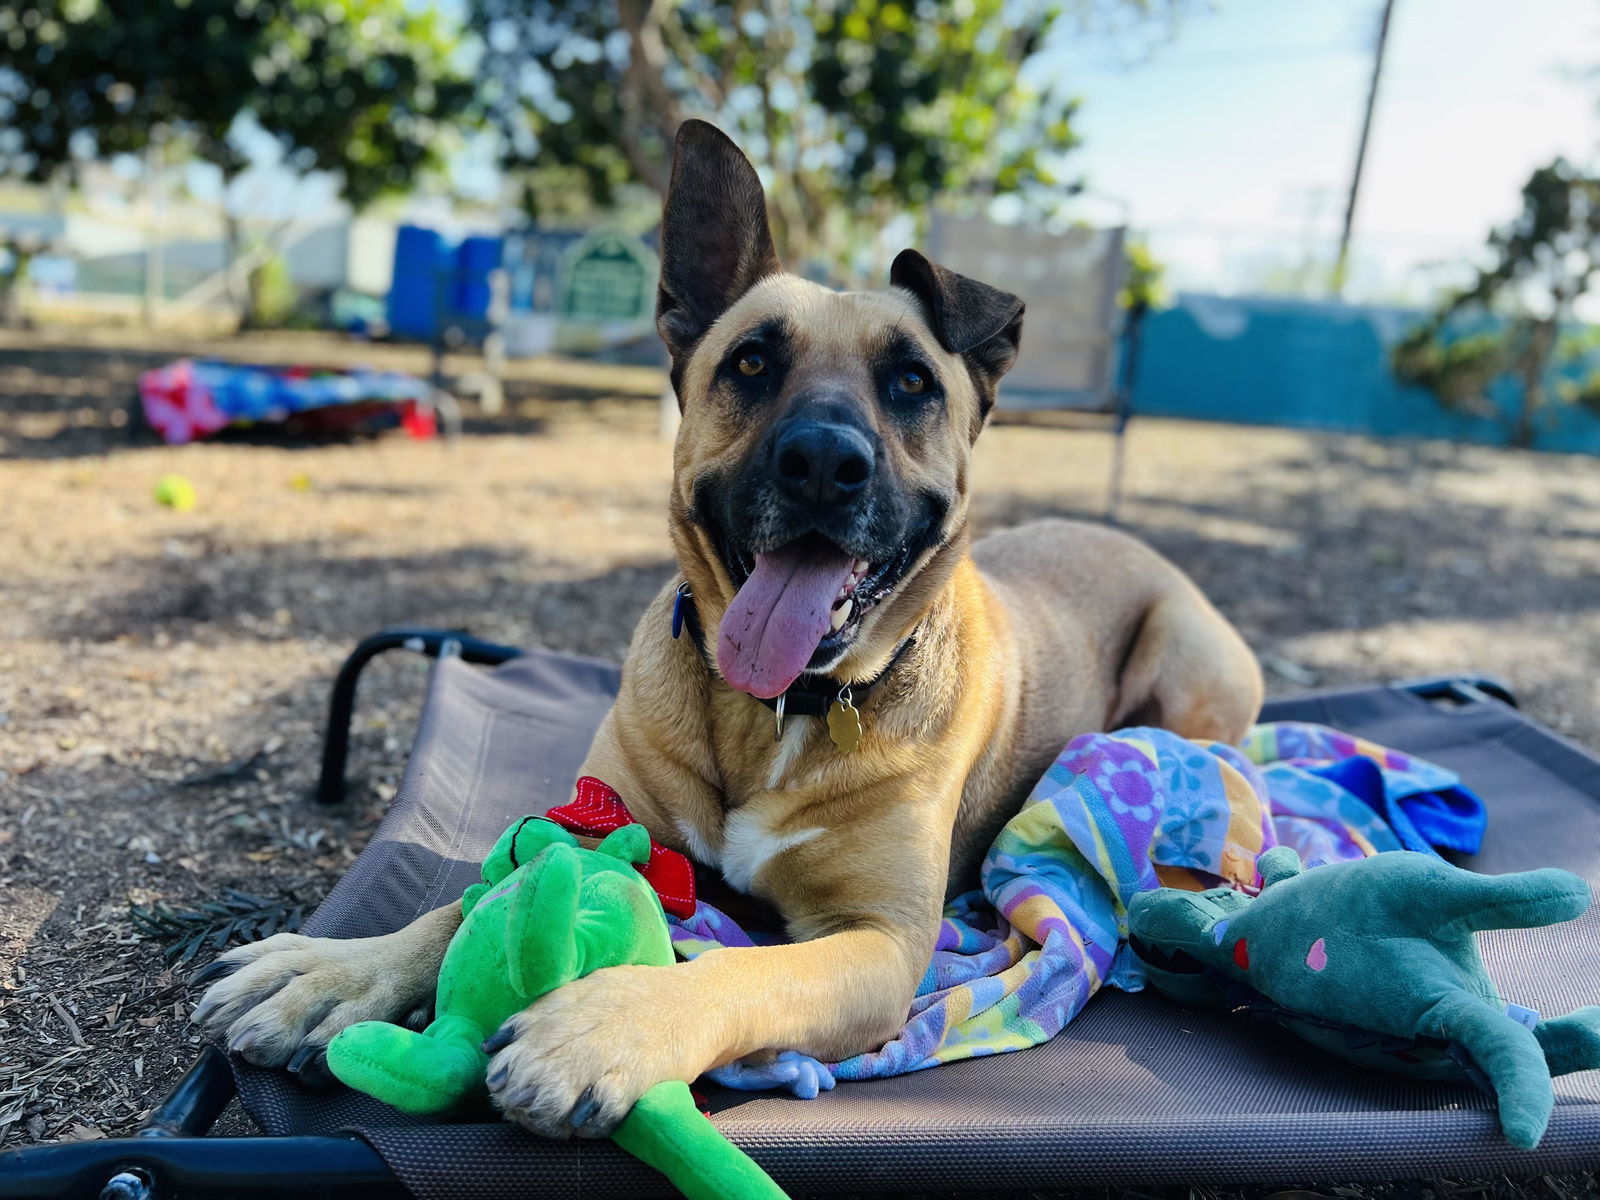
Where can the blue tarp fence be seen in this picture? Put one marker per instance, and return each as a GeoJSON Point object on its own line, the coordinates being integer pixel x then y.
{"type": "Point", "coordinates": [1314, 365]}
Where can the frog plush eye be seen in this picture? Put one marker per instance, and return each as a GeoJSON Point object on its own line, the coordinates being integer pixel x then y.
{"type": "Point", "coordinates": [630, 843]}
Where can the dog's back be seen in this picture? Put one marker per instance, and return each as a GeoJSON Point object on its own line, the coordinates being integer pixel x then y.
{"type": "Point", "coordinates": [1104, 633]}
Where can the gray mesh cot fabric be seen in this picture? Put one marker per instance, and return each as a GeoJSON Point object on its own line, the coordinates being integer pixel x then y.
{"type": "Point", "coordinates": [1134, 1091]}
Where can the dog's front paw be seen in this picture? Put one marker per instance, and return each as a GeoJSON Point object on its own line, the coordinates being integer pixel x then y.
{"type": "Point", "coordinates": [577, 1059]}
{"type": "Point", "coordinates": [278, 1002]}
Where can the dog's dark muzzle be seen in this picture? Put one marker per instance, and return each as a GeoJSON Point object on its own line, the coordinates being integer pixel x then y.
{"type": "Point", "coordinates": [821, 465]}
{"type": "Point", "coordinates": [820, 475]}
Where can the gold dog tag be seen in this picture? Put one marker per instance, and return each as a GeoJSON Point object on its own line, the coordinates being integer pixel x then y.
{"type": "Point", "coordinates": [844, 722]}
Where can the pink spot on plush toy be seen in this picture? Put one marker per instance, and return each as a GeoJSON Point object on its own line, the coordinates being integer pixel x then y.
{"type": "Point", "coordinates": [1318, 958]}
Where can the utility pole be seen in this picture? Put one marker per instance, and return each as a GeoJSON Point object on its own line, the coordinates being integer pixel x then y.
{"type": "Point", "coordinates": [1342, 263]}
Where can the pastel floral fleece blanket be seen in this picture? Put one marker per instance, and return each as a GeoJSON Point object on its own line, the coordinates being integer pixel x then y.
{"type": "Point", "coordinates": [1116, 814]}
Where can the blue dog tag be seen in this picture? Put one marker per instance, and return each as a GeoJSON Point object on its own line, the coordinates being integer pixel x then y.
{"type": "Point", "coordinates": [678, 602]}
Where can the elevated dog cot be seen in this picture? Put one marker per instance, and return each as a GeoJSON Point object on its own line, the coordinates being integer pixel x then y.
{"type": "Point", "coordinates": [1135, 1092]}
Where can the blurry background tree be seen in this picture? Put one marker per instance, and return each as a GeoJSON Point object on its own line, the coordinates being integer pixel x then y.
{"type": "Point", "coordinates": [855, 111]}
{"type": "Point", "coordinates": [365, 89]}
{"type": "Point", "coordinates": [1144, 286]}
{"type": "Point", "coordinates": [1511, 325]}
{"type": "Point", "coordinates": [16, 253]}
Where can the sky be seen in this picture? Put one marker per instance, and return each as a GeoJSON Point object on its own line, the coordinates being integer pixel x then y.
{"type": "Point", "coordinates": [1232, 143]}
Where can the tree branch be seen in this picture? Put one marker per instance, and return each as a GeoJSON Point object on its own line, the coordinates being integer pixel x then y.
{"type": "Point", "coordinates": [645, 89]}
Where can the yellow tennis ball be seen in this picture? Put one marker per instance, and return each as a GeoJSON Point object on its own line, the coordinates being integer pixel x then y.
{"type": "Point", "coordinates": [176, 492]}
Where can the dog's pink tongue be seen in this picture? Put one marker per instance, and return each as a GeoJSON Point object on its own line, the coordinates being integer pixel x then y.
{"type": "Point", "coordinates": [784, 609]}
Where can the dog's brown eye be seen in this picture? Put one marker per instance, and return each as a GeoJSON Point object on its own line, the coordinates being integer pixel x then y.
{"type": "Point", "coordinates": [752, 363]}
{"type": "Point", "coordinates": [912, 383]}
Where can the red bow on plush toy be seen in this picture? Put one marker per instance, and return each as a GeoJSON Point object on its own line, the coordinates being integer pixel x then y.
{"type": "Point", "coordinates": [599, 810]}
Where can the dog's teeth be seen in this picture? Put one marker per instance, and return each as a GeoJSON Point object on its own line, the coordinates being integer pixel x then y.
{"type": "Point", "coordinates": [860, 566]}
{"type": "Point", "coordinates": [841, 614]}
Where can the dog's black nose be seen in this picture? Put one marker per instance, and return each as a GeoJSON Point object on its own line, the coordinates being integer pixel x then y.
{"type": "Point", "coordinates": [822, 464]}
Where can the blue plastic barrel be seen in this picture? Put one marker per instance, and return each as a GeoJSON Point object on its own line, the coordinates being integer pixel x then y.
{"type": "Point", "coordinates": [421, 279]}
{"type": "Point", "coordinates": [475, 259]}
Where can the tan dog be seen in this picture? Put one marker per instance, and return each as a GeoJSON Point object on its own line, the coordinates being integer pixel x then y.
{"type": "Point", "coordinates": [819, 514]}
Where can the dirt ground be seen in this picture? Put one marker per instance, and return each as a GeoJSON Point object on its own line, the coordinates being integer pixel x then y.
{"type": "Point", "coordinates": [163, 675]}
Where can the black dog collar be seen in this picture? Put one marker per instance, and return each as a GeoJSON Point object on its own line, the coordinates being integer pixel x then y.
{"type": "Point", "coordinates": [808, 696]}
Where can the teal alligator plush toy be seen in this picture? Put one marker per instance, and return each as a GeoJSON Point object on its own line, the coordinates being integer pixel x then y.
{"type": "Point", "coordinates": [546, 913]}
{"type": "Point", "coordinates": [1375, 960]}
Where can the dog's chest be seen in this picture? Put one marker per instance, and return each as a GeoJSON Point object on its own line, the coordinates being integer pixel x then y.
{"type": "Point", "coordinates": [751, 835]}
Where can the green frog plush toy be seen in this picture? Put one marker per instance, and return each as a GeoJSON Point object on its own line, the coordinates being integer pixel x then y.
{"type": "Point", "coordinates": [546, 913]}
{"type": "Point", "coordinates": [1376, 961]}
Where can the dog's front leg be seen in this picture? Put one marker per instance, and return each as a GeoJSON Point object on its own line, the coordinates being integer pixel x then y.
{"type": "Point", "coordinates": [279, 1002]}
{"type": "Point", "coordinates": [577, 1059]}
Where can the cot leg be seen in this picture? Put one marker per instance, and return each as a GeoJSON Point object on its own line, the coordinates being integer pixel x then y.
{"type": "Point", "coordinates": [435, 643]}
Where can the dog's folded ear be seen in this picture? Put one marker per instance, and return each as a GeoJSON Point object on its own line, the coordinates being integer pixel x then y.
{"type": "Point", "coordinates": [969, 318]}
{"type": "Point", "coordinates": [715, 242]}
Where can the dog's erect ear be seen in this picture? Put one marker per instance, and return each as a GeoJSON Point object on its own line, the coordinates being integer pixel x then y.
{"type": "Point", "coordinates": [715, 243]}
{"type": "Point", "coordinates": [969, 318]}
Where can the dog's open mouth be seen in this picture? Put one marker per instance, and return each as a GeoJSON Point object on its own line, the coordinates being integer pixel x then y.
{"type": "Point", "coordinates": [858, 595]}
{"type": "Point", "coordinates": [798, 604]}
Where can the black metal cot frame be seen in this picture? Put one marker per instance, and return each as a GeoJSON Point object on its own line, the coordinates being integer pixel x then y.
{"type": "Point", "coordinates": [170, 1157]}
{"type": "Point", "coordinates": [435, 643]}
